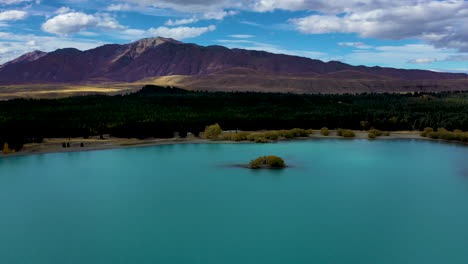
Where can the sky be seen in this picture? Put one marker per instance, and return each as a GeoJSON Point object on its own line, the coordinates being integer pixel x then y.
{"type": "Point", "coordinates": [410, 34]}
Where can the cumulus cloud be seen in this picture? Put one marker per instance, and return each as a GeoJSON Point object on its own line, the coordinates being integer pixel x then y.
{"type": "Point", "coordinates": [326, 6]}
{"type": "Point", "coordinates": [422, 61]}
{"type": "Point", "coordinates": [74, 22]}
{"type": "Point", "coordinates": [190, 6]}
{"type": "Point", "coordinates": [199, 9]}
{"type": "Point", "coordinates": [440, 23]}
{"type": "Point", "coordinates": [12, 15]}
{"type": "Point", "coordinates": [179, 22]}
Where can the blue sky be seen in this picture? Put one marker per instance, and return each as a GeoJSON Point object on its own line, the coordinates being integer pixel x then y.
{"type": "Point", "coordinates": [421, 34]}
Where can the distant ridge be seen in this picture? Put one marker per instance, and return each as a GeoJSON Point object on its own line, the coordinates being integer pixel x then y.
{"type": "Point", "coordinates": [28, 57]}
{"type": "Point", "coordinates": [157, 57]}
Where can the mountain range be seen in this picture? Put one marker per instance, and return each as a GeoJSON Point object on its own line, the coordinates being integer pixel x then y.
{"type": "Point", "coordinates": [216, 68]}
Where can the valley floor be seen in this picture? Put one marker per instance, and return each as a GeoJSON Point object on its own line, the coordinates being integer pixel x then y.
{"type": "Point", "coordinates": [55, 145]}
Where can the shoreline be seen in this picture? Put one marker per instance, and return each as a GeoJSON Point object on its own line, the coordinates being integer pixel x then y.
{"type": "Point", "coordinates": [54, 145]}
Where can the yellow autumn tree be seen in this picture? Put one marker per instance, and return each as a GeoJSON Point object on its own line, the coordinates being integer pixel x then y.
{"type": "Point", "coordinates": [213, 131]}
{"type": "Point", "coordinates": [6, 149]}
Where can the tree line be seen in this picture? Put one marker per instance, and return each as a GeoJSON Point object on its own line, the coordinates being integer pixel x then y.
{"type": "Point", "coordinates": [161, 111]}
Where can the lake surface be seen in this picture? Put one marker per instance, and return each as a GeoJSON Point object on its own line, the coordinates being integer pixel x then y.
{"type": "Point", "coordinates": [342, 201]}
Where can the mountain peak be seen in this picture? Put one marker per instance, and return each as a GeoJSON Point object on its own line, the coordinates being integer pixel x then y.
{"type": "Point", "coordinates": [136, 48]}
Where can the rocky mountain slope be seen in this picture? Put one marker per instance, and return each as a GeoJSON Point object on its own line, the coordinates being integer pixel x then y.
{"type": "Point", "coordinates": [212, 67]}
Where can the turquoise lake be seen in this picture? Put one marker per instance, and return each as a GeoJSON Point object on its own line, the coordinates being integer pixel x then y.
{"type": "Point", "coordinates": [342, 201]}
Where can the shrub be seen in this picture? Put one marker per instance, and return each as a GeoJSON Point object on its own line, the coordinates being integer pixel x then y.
{"type": "Point", "coordinates": [339, 132]}
{"type": "Point", "coordinates": [464, 137]}
{"type": "Point", "coordinates": [271, 135]}
{"type": "Point", "coordinates": [371, 135]}
{"type": "Point", "coordinates": [345, 133]}
{"type": "Point", "coordinates": [275, 162]}
{"type": "Point", "coordinates": [376, 132]}
{"type": "Point", "coordinates": [267, 162]}
{"type": "Point", "coordinates": [286, 133]}
{"type": "Point", "coordinates": [444, 134]}
{"type": "Point", "coordinates": [386, 133]}
{"type": "Point", "coordinates": [261, 140]}
{"type": "Point", "coordinates": [434, 135]}
{"type": "Point", "coordinates": [213, 131]}
{"type": "Point", "coordinates": [426, 131]}
{"type": "Point", "coordinates": [325, 131]}
{"type": "Point", "coordinates": [227, 136]}
{"type": "Point", "coordinates": [253, 136]}
{"type": "Point", "coordinates": [295, 132]}
{"type": "Point", "coordinates": [240, 136]}
{"type": "Point", "coordinates": [349, 133]}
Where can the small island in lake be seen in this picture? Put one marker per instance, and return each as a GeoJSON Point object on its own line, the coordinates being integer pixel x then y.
{"type": "Point", "coordinates": [267, 162]}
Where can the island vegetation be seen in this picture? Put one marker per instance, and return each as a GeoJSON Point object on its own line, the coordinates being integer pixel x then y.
{"type": "Point", "coordinates": [162, 112]}
{"type": "Point", "coordinates": [267, 162]}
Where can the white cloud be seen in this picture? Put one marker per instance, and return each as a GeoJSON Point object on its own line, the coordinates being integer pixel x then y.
{"type": "Point", "coordinates": [399, 56]}
{"type": "Point", "coordinates": [327, 6]}
{"type": "Point", "coordinates": [254, 45]}
{"type": "Point", "coordinates": [121, 7]}
{"type": "Point", "coordinates": [133, 33]}
{"type": "Point", "coordinates": [359, 45]}
{"type": "Point", "coordinates": [88, 34]}
{"type": "Point", "coordinates": [440, 23]}
{"type": "Point", "coordinates": [76, 21]}
{"type": "Point", "coordinates": [200, 9]}
{"type": "Point", "coordinates": [14, 45]}
{"type": "Point", "coordinates": [241, 36]}
{"type": "Point", "coordinates": [422, 61]}
{"type": "Point", "coordinates": [189, 6]}
{"type": "Point", "coordinates": [457, 58]}
{"type": "Point", "coordinates": [63, 10]}
{"type": "Point", "coordinates": [235, 41]}
{"type": "Point", "coordinates": [180, 33]}
{"type": "Point", "coordinates": [12, 15]}
{"type": "Point", "coordinates": [455, 70]}
{"type": "Point", "coordinates": [13, 2]}
{"type": "Point", "coordinates": [179, 22]}
{"type": "Point", "coordinates": [218, 15]}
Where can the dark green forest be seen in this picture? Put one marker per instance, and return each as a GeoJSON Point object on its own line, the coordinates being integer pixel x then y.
{"type": "Point", "coordinates": [159, 112]}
